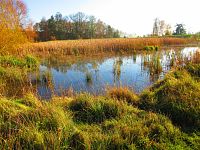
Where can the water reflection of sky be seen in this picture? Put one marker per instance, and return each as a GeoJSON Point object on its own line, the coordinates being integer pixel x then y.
{"type": "Point", "coordinates": [134, 71]}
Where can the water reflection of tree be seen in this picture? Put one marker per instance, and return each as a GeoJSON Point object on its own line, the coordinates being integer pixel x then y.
{"type": "Point", "coordinates": [58, 65]}
{"type": "Point", "coordinates": [117, 69]}
{"type": "Point", "coordinates": [63, 66]}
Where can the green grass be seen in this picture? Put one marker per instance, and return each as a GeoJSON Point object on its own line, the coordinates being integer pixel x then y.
{"type": "Point", "coordinates": [12, 61]}
{"type": "Point", "coordinates": [88, 109]}
{"type": "Point", "coordinates": [177, 96]}
{"type": "Point", "coordinates": [86, 122]}
{"type": "Point", "coordinates": [14, 74]}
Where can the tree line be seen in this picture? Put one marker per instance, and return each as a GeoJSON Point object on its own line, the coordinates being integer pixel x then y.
{"type": "Point", "coordinates": [161, 28]}
{"type": "Point", "coordinates": [75, 26]}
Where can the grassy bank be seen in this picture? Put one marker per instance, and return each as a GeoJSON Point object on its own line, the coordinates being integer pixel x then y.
{"type": "Point", "coordinates": [177, 96]}
{"type": "Point", "coordinates": [86, 122]}
{"type": "Point", "coordinates": [97, 46]}
{"type": "Point", "coordinates": [166, 116]}
{"type": "Point", "coordinates": [14, 72]}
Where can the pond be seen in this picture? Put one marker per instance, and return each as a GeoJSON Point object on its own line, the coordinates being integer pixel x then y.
{"type": "Point", "coordinates": [95, 75]}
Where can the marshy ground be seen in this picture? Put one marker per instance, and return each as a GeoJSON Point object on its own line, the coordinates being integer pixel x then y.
{"type": "Point", "coordinates": [165, 115]}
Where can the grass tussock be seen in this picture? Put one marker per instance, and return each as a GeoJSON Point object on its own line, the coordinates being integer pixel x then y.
{"type": "Point", "coordinates": [97, 46]}
{"type": "Point", "coordinates": [87, 109]}
{"type": "Point", "coordinates": [123, 94]}
{"type": "Point", "coordinates": [177, 96]}
{"type": "Point", "coordinates": [86, 122]}
{"type": "Point", "coordinates": [31, 124]}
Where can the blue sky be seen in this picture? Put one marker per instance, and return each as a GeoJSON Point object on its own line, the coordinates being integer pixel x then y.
{"type": "Point", "coordinates": [45, 8]}
{"type": "Point", "coordinates": [131, 16]}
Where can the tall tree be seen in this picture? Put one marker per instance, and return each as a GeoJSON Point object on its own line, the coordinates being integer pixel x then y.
{"type": "Point", "coordinates": [30, 32]}
{"type": "Point", "coordinates": [78, 20]}
{"type": "Point", "coordinates": [92, 21]}
{"type": "Point", "coordinates": [51, 28]}
{"type": "Point", "coordinates": [160, 28]}
{"type": "Point", "coordinates": [168, 30]}
{"type": "Point", "coordinates": [156, 27]}
{"type": "Point", "coordinates": [109, 32]}
{"type": "Point", "coordinates": [100, 29]}
{"type": "Point", "coordinates": [42, 30]}
{"type": "Point", "coordinates": [180, 29]}
{"type": "Point", "coordinates": [11, 35]}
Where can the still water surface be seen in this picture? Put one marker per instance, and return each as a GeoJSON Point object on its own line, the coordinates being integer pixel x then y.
{"type": "Point", "coordinates": [137, 71]}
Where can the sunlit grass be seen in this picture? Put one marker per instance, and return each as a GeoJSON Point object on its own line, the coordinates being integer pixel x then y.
{"type": "Point", "coordinates": [94, 46]}
{"type": "Point", "coordinates": [86, 122]}
{"type": "Point", "coordinates": [14, 74]}
{"type": "Point", "coordinates": [176, 96]}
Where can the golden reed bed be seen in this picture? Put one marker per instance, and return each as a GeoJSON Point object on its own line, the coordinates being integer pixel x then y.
{"type": "Point", "coordinates": [95, 46]}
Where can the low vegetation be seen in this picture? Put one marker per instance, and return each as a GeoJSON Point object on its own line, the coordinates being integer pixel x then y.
{"type": "Point", "coordinates": [177, 96]}
{"type": "Point", "coordinates": [12, 61]}
{"type": "Point", "coordinates": [86, 122]}
{"type": "Point", "coordinates": [123, 94]}
{"type": "Point", "coordinates": [166, 116]}
{"type": "Point", "coordinates": [98, 46]}
{"type": "Point", "coordinates": [14, 72]}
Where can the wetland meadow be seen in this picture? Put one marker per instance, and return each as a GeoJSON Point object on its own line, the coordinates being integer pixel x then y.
{"type": "Point", "coordinates": [120, 99]}
{"type": "Point", "coordinates": [76, 83]}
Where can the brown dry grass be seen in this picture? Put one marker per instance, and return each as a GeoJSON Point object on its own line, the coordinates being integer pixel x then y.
{"type": "Point", "coordinates": [98, 46]}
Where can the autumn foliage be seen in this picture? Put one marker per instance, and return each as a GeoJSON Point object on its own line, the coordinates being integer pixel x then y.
{"type": "Point", "coordinates": [12, 18]}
